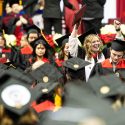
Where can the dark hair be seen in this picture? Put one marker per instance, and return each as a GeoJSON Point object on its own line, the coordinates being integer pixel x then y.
{"type": "Point", "coordinates": [61, 52]}
{"type": "Point", "coordinates": [32, 31]}
{"type": "Point", "coordinates": [48, 54]}
{"type": "Point", "coordinates": [34, 49]}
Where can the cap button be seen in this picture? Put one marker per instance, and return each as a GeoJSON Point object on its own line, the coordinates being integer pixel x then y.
{"type": "Point", "coordinates": [45, 90]}
{"type": "Point", "coordinates": [104, 89]}
{"type": "Point", "coordinates": [45, 79]}
{"type": "Point", "coordinates": [76, 66]}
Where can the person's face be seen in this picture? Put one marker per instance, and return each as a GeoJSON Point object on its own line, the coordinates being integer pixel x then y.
{"type": "Point", "coordinates": [32, 37]}
{"type": "Point", "coordinates": [2, 41]}
{"type": "Point", "coordinates": [117, 24]}
{"type": "Point", "coordinates": [66, 51]}
{"type": "Point", "coordinates": [40, 50]}
{"type": "Point", "coordinates": [16, 8]}
{"type": "Point", "coordinates": [116, 56]}
{"type": "Point", "coordinates": [95, 44]}
{"type": "Point", "coordinates": [23, 41]}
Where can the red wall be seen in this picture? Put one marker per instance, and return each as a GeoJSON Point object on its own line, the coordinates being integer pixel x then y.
{"type": "Point", "coordinates": [120, 10]}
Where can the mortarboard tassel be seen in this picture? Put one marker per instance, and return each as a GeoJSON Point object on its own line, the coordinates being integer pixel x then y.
{"type": "Point", "coordinates": [57, 100]}
{"type": "Point", "coordinates": [117, 104]}
{"type": "Point", "coordinates": [20, 2]}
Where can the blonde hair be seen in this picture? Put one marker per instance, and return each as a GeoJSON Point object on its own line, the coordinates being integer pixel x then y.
{"type": "Point", "coordinates": [29, 118]}
{"type": "Point", "coordinates": [4, 118]}
{"type": "Point", "coordinates": [87, 44]}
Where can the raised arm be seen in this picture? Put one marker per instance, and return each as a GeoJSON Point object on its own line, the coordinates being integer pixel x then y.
{"type": "Point", "coordinates": [74, 41]}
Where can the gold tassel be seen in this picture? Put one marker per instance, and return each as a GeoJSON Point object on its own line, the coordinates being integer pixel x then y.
{"type": "Point", "coordinates": [58, 100]}
{"type": "Point", "coordinates": [117, 104]}
{"type": "Point", "coordinates": [20, 2]}
{"type": "Point", "coordinates": [44, 37]}
{"type": "Point", "coordinates": [3, 32]}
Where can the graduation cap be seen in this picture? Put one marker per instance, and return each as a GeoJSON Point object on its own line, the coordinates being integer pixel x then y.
{"type": "Point", "coordinates": [9, 69]}
{"type": "Point", "coordinates": [82, 96]}
{"type": "Point", "coordinates": [105, 86]}
{"type": "Point", "coordinates": [85, 117]}
{"type": "Point", "coordinates": [19, 74]}
{"type": "Point", "coordinates": [32, 29]}
{"type": "Point", "coordinates": [118, 45]}
{"type": "Point", "coordinates": [47, 76]}
{"type": "Point", "coordinates": [15, 95]}
{"type": "Point", "coordinates": [79, 14]}
{"type": "Point", "coordinates": [11, 2]}
{"type": "Point", "coordinates": [40, 40]}
{"type": "Point", "coordinates": [84, 35]}
{"type": "Point", "coordinates": [121, 74]}
{"type": "Point", "coordinates": [74, 68]}
{"type": "Point", "coordinates": [75, 63]}
{"type": "Point", "coordinates": [82, 103]}
{"type": "Point", "coordinates": [9, 64]}
{"type": "Point", "coordinates": [3, 66]}
{"type": "Point", "coordinates": [119, 117]}
{"type": "Point", "coordinates": [62, 40]}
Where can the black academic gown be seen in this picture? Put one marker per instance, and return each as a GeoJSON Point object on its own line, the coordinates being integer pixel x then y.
{"type": "Point", "coordinates": [106, 68]}
{"type": "Point", "coordinates": [87, 71]}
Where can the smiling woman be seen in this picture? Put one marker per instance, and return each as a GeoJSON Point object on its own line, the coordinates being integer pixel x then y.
{"type": "Point", "coordinates": [91, 49]}
{"type": "Point", "coordinates": [92, 45]}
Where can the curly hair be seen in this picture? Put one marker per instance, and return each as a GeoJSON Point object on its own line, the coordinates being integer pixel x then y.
{"type": "Point", "coordinates": [88, 42]}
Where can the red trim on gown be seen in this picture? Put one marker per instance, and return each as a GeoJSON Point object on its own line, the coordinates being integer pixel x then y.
{"type": "Point", "coordinates": [46, 105]}
{"type": "Point", "coordinates": [26, 50]}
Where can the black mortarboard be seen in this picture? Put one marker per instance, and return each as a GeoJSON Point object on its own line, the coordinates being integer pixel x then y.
{"type": "Point", "coordinates": [19, 74]}
{"type": "Point", "coordinates": [47, 76]}
{"type": "Point", "coordinates": [15, 95]}
{"type": "Point", "coordinates": [62, 40]}
{"type": "Point", "coordinates": [14, 71]}
{"type": "Point", "coordinates": [11, 2]}
{"type": "Point", "coordinates": [78, 15]}
{"type": "Point", "coordinates": [118, 45]}
{"type": "Point", "coordinates": [121, 74]}
{"type": "Point", "coordinates": [79, 102]}
{"type": "Point", "coordinates": [82, 96]}
{"type": "Point", "coordinates": [9, 64]}
{"type": "Point", "coordinates": [84, 117]}
{"type": "Point", "coordinates": [105, 86]}
{"type": "Point", "coordinates": [74, 68]}
{"type": "Point", "coordinates": [84, 35]}
{"type": "Point", "coordinates": [75, 63]}
{"type": "Point", "coordinates": [119, 117]}
{"type": "Point", "coordinates": [62, 117]}
{"type": "Point", "coordinates": [39, 40]}
{"type": "Point", "coordinates": [3, 66]}
{"type": "Point", "coordinates": [32, 29]}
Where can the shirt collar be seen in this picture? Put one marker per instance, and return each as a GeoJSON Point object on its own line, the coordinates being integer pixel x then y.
{"type": "Point", "coordinates": [110, 60]}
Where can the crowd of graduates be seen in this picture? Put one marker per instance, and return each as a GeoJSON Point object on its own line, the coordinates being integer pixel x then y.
{"type": "Point", "coordinates": [72, 79]}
